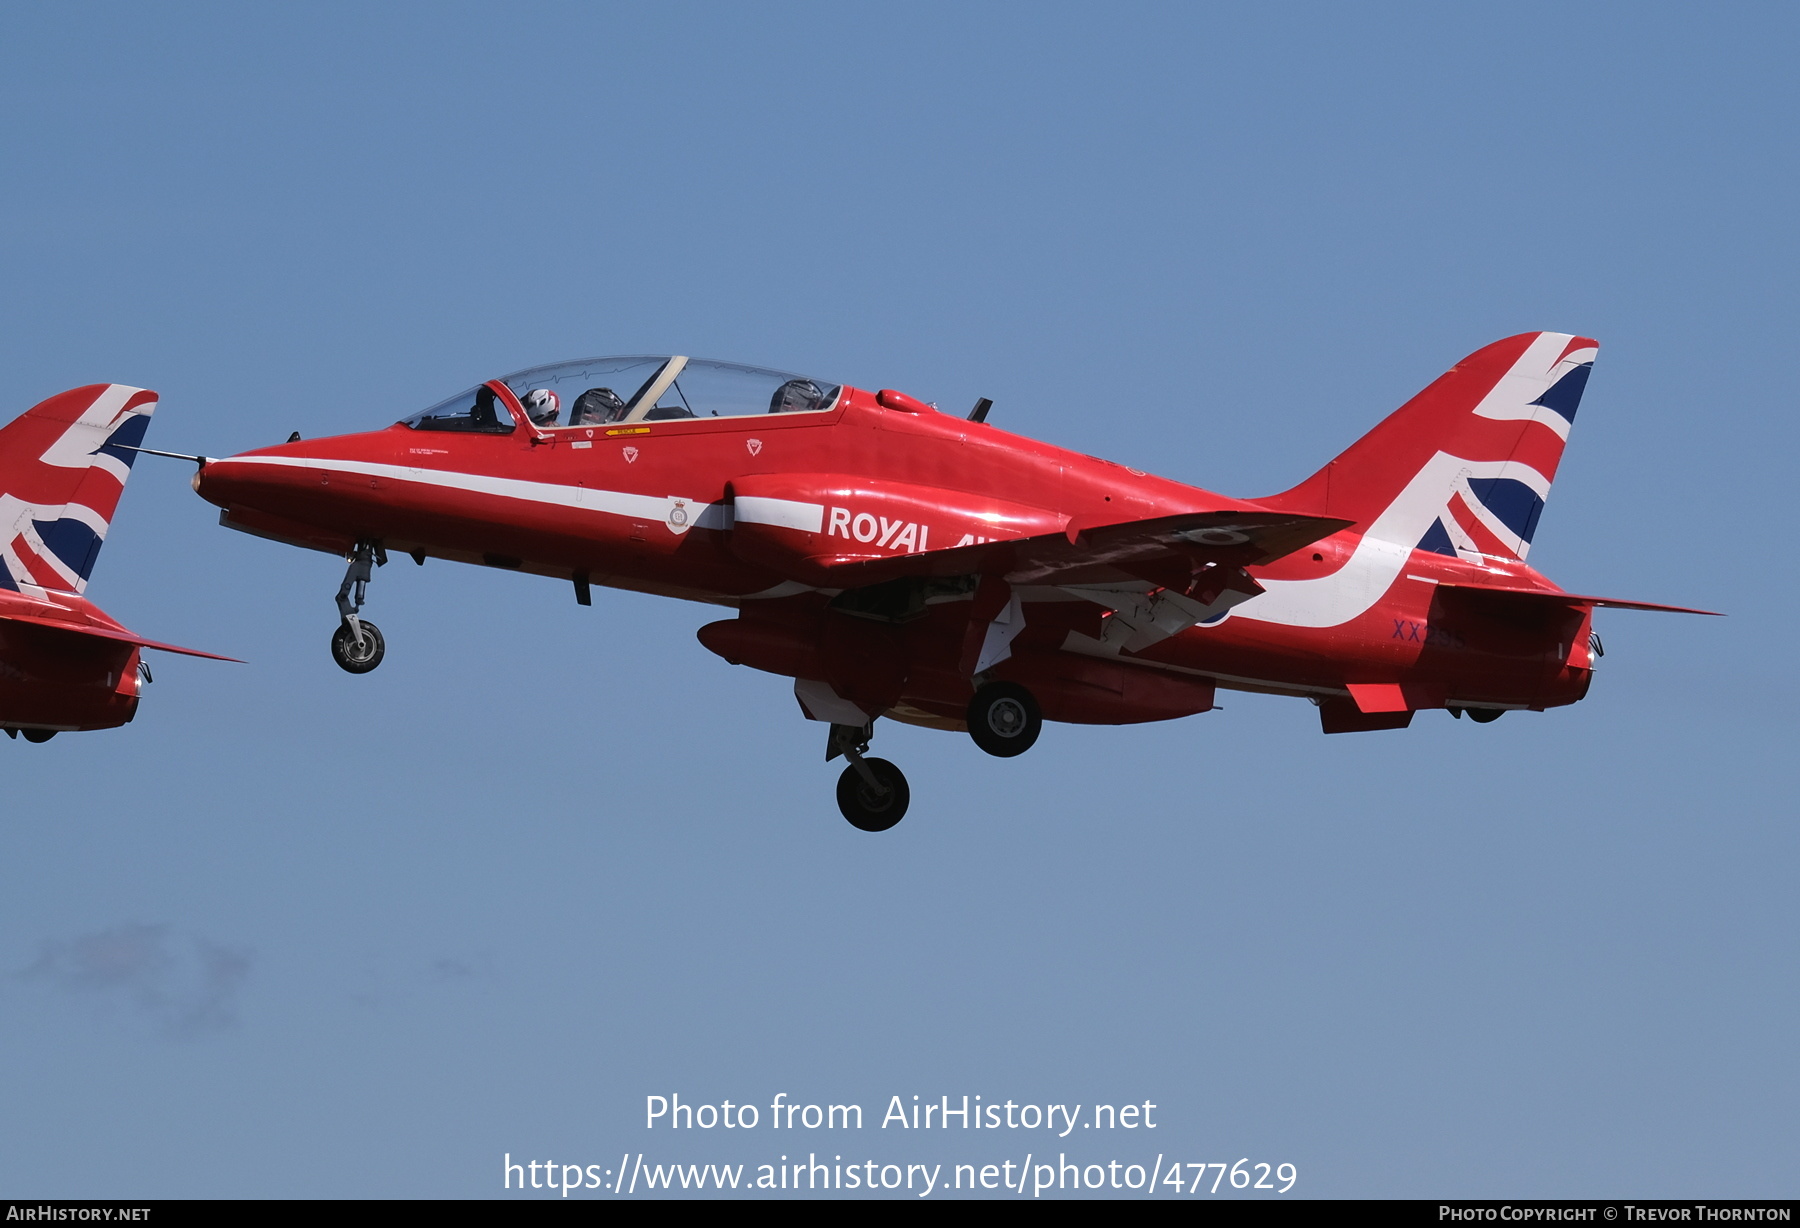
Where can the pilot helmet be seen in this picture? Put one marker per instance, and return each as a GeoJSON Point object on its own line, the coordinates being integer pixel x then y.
{"type": "Point", "coordinates": [795, 396]}
{"type": "Point", "coordinates": [542, 405]}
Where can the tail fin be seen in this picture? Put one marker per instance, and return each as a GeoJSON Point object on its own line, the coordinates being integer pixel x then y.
{"type": "Point", "coordinates": [62, 470]}
{"type": "Point", "coordinates": [1463, 468]}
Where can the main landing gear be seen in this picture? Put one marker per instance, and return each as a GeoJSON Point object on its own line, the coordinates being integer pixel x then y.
{"type": "Point", "coordinates": [357, 646]}
{"type": "Point", "coordinates": [872, 793]}
{"type": "Point", "coordinates": [1004, 719]}
{"type": "Point", "coordinates": [1481, 716]}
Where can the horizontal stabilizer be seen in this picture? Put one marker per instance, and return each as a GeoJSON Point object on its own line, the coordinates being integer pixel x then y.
{"type": "Point", "coordinates": [1508, 592]}
{"type": "Point", "coordinates": [111, 633]}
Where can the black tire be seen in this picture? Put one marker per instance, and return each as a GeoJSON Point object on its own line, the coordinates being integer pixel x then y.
{"type": "Point", "coordinates": [39, 736]}
{"type": "Point", "coordinates": [1004, 719]}
{"type": "Point", "coordinates": [867, 809]}
{"type": "Point", "coordinates": [350, 656]}
{"type": "Point", "coordinates": [1483, 715]}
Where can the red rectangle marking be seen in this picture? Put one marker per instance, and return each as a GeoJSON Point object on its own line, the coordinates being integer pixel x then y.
{"type": "Point", "coordinates": [1378, 696]}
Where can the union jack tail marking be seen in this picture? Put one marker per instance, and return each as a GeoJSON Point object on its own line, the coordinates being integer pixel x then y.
{"type": "Point", "coordinates": [1463, 468]}
{"type": "Point", "coordinates": [63, 466]}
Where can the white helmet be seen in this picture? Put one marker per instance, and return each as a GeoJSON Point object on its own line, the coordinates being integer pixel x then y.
{"type": "Point", "coordinates": [541, 404]}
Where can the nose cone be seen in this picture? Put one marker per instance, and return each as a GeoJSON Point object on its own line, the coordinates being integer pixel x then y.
{"type": "Point", "coordinates": [219, 481]}
{"type": "Point", "coordinates": [257, 477]}
{"type": "Point", "coordinates": [244, 479]}
{"type": "Point", "coordinates": [297, 492]}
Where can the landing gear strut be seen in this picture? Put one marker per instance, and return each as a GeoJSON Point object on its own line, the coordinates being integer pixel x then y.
{"type": "Point", "coordinates": [872, 793]}
{"type": "Point", "coordinates": [357, 646]}
{"type": "Point", "coordinates": [1004, 719]}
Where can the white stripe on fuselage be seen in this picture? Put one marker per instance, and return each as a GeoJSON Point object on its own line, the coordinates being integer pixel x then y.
{"type": "Point", "coordinates": [585, 498]}
{"type": "Point", "coordinates": [781, 513]}
{"type": "Point", "coordinates": [1328, 601]}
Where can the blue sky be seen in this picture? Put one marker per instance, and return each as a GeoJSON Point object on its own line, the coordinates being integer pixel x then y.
{"type": "Point", "coordinates": [298, 933]}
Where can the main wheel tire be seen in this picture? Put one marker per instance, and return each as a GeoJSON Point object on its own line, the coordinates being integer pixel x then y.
{"type": "Point", "coordinates": [358, 658]}
{"type": "Point", "coordinates": [870, 809]}
{"type": "Point", "coordinates": [37, 735]}
{"type": "Point", "coordinates": [1004, 719]}
{"type": "Point", "coordinates": [1484, 715]}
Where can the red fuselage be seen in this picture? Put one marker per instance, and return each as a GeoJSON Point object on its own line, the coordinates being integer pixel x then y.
{"type": "Point", "coordinates": [63, 679]}
{"type": "Point", "coordinates": [663, 507]}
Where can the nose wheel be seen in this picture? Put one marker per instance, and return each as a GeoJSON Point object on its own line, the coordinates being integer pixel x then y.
{"type": "Point", "coordinates": [871, 793]}
{"type": "Point", "coordinates": [358, 655]}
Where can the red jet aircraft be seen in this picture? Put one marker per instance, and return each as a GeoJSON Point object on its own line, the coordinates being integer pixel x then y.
{"type": "Point", "coordinates": [63, 663]}
{"type": "Point", "coordinates": [896, 561]}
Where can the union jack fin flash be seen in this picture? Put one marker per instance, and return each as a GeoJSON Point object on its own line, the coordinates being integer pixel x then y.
{"type": "Point", "coordinates": [1463, 468]}
{"type": "Point", "coordinates": [63, 466]}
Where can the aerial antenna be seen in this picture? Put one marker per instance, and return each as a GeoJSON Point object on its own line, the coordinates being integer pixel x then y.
{"type": "Point", "coordinates": [979, 413]}
{"type": "Point", "coordinates": [201, 461]}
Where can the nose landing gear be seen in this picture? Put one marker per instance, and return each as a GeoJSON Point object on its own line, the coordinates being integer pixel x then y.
{"type": "Point", "coordinates": [871, 793]}
{"type": "Point", "coordinates": [357, 646]}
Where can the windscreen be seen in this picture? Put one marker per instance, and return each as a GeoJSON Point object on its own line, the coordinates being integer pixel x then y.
{"type": "Point", "coordinates": [478, 410]}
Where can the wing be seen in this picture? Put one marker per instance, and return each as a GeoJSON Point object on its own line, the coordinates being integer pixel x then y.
{"type": "Point", "coordinates": [1166, 551]}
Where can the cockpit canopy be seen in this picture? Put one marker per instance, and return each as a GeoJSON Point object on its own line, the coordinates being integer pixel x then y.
{"type": "Point", "coordinates": [592, 391]}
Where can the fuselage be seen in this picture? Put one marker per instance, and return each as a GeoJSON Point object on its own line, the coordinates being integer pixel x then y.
{"type": "Point", "coordinates": [63, 677]}
{"type": "Point", "coordinates": [654, 506]}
